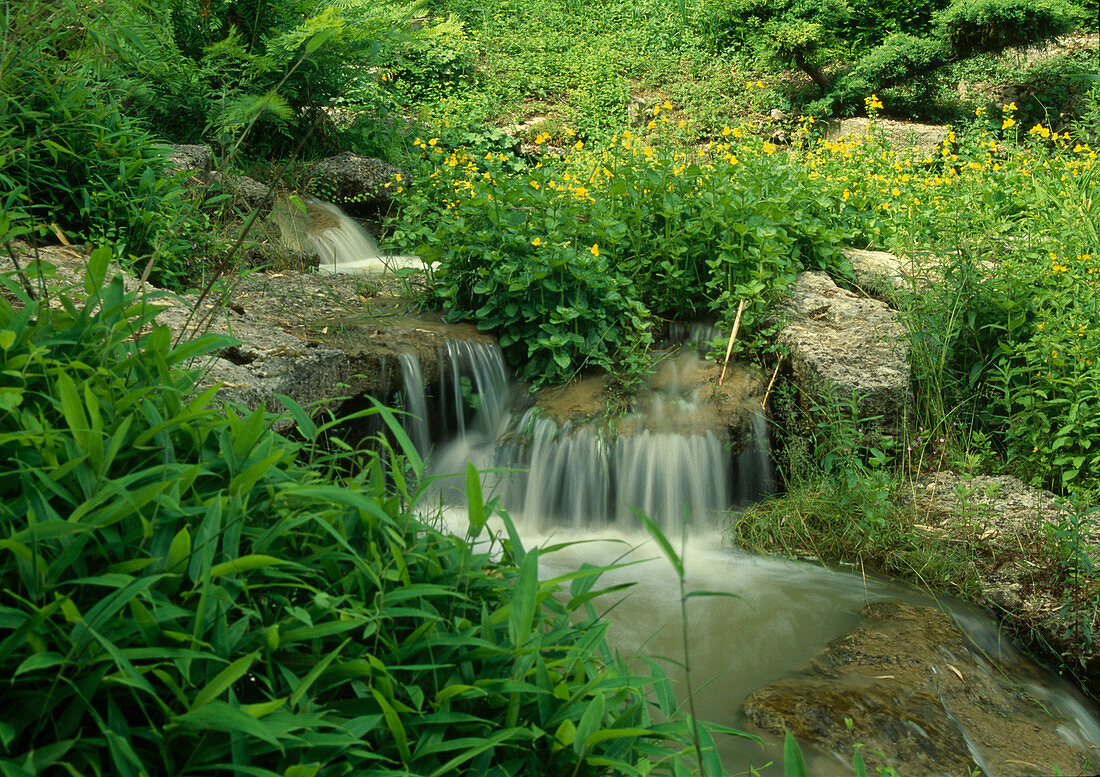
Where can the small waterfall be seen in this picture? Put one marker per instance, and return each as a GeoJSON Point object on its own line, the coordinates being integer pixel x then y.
{"type": "Point", "coordinates": [755, 470]}
{"type": "Point", "coordinates": [416, 421]}
{"type": "Point", "coordinates": [670, 459]}
{"type": "Point", "coordinates": [340, 242]}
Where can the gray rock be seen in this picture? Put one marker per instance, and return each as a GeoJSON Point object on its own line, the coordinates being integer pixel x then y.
{"type": "Point", "coordinates": [247, 191]}
{"type": "Point", "coordinates": [844, 346]}
{"type": "Point", "coordinates": [877, 272]}
{"type": "Point", "coordinates": [350, 176]}
{"type": "Point", "coordinates": [777, 115]}
{"type": "Point", "coordinates": [920, 139]}
{"type": "Point", "coordinates": [197, 161]}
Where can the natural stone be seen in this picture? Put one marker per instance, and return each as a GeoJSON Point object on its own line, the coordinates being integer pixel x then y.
{"type": "Point", "coordinates": [1033, 594]}
{"type": "Point", "coordinates": [246, 191]}
{"type": "Point", "coordinates": [353, 177]}
{"type": "Point", "coordinates": [195, 160]}
{"type": "Point", "coordinates": [844, 346]}
{"type": "Point", "coordinates": [878, 272]}
{"type": "Point", "coordinates": [910, 688]}
{"type": "Point", "coordinates": [921, 139]}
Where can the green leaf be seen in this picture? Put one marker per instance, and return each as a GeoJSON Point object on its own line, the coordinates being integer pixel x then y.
{"type": "Point", "coordinates": [475, 506]}
{"type": "Point", "coordinates": [40, 661]}
{"type": "Point", "coordinates": [314, 673]}
{"type": "Point", "coordinates": [219, 716]}
{"type": "Point", "coordinates": [244, 564]}
{"type": "Point", "coordinates": [223, 681]}
{"type": "Point", "coordinates": [793, 765]}
{"type": "Point", "coordinates": [661, 540]}
{"type": "Point", "coordinates": [590, 722]}
{"type": "Point", "coordinates": [524, 600]}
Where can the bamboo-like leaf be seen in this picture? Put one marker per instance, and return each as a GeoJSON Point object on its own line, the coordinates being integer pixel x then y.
{"type": "Point", "coordinates": [393, 723]}
{"type": "Point", "coordinates": [524, 600]}
{"type": "Point", "coordinates": [219, 716]}
{"type": "Point", "coordinates": [793, 765]}
{"type": "Point", "coordinates": [496, 739]}
{"type": "Point", "coordinates": [314, 673]}
{"type": "Point", "coordinates": [244, 564]}
{"type": "Point", "coordinates": [223, 680]}
{"type": "Point", "coordinates": [475, 505]}
{"type": "Point", "coordinates": [260, 709]}
{"type": "Point", "coordinates": [590, 722]}
{"type": "Point", "coordinates": [661, 540]}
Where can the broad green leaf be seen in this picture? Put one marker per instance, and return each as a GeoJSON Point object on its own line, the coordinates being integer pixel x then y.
{"type": "Point", "coordinates": [263, 708]}
{"type": "Point", "coordinates": [524, 601]}
{"type": "Point", "coordinates": [314, 673]}
{"type": "Point", "coordinates": [475, 506]}
{"type": "Point", "coordinates": [393, 723]}
{"type": "Point", "coordinates": [40, 661]}
{"type": "Point", "coordinates": [661, 540]}
{"type": "Point", "coordinates": [590, 722]}
{"type": "Point", "coordinates": [219, 716]}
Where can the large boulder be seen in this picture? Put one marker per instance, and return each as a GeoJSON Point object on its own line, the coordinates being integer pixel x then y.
{"type": "Point", "coordinates": [353, 178]}
{"type": "Point", "coordinates": [195, 160]}
{"type": "Point", "coordinates": [909, 686]}
{"type": "Point", "coordinates": [923, 140]}
{"type": "Point", "coordinates": [844, 346]}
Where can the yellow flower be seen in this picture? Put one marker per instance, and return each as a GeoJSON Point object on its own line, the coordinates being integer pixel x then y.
{"type": "Point", "coordinates": [433, 141]}
{"type": "Point", "coordinates": [595, 249]}
{"type": "Point", "coordinates": [537, 242]}
{"type": "Point", "coordinates": [578, 145]}
{"type": "Point", "coordinates": [726, 131]}
{"type": "Point", "coordinates": [1008, 122]}
{"type": "Point", "coordinates": [535, 185]}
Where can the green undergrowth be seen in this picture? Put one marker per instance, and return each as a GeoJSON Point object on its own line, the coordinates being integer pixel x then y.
{"type": "Point", "coordinates": [576, 262]}
{"type": "Point", "coordinates": [186, 592]}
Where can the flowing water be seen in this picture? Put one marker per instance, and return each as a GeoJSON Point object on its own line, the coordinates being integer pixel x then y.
{"type": "Point", "coordinates": [565, 481]}
{"type": "Point", "coordinates": [341, 244]}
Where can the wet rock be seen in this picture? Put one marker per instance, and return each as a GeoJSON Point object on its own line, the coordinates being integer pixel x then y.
{"type": "Point", "coordinates": [353, 177]}
{"type": "Point", "coordinates": [317, 339]}
{"type": "Point", "coordinates": [846, 347]}
{"type": "Point", "coordinates": [908, 686]}
{"type": "Point", "coordinates": [920, 139]}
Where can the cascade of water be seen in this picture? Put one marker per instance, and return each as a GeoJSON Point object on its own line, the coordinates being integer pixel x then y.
{"type": "Point", "coordinates": [478, 376]}
{"type": "Point", "coordinates": [416, 404]}
{"type": "Point", "coordinates": [755, 471]}
{"type": "Point", "coordinates": [339, 241]}
{"type": "Point", "coordinates": [667, 461]}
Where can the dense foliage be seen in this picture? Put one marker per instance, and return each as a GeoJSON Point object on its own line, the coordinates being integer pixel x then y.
{"type": "Point", "coordinates": [187, 592]}
{"type": "Point", "coordinates": [575, 264]}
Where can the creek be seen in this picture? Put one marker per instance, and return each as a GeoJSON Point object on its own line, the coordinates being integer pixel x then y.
{"type": "Point", "coordinates": [827, 653]}
{"type": "Point", "coordinates": [579, 483]}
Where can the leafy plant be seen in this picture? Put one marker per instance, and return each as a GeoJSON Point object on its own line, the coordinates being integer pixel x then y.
{"type": "Point", "coordinates": [570, 263]}
{"type": "Point", "coordinates": [188, 592]}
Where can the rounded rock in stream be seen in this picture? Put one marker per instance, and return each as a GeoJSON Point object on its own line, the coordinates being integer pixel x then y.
{"type": "Point", "coordinates": [919, 699]}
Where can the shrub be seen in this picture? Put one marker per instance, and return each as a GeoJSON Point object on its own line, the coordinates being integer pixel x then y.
{"type": "Point", "coordinates": [575, 264]}
{"type": "Point", "coordinates": [976, 26]}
